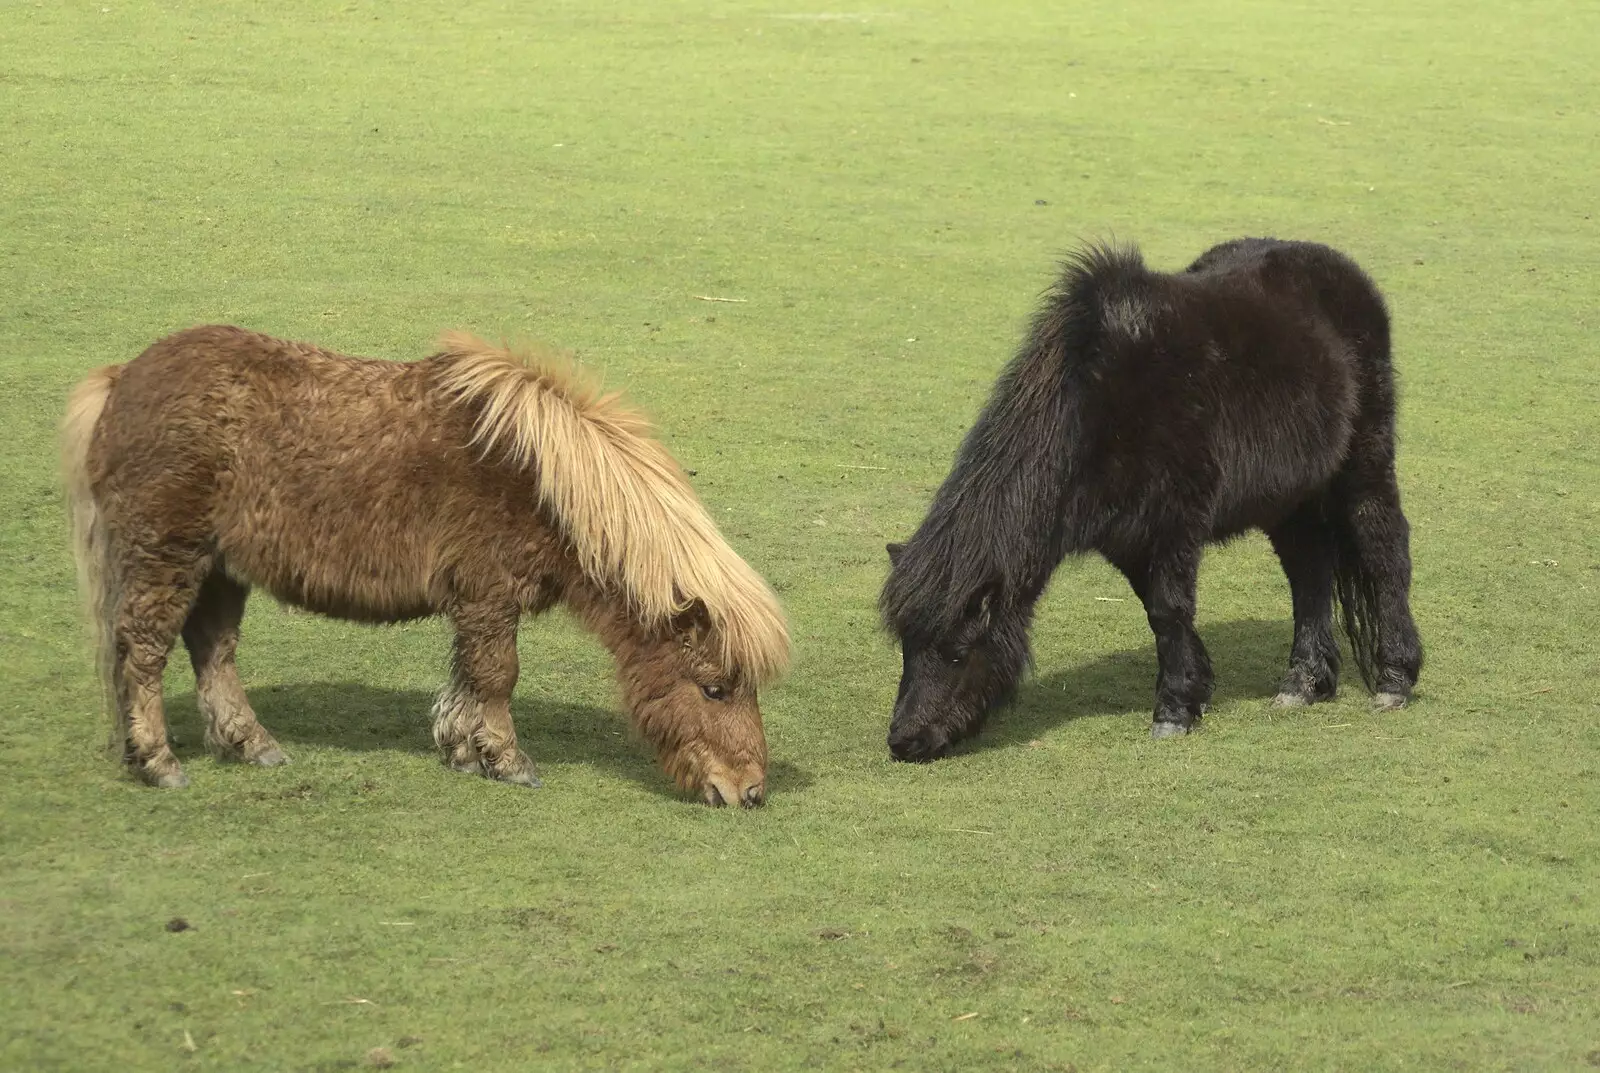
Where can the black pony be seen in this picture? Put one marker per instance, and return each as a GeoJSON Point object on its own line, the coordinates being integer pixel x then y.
{"type": "Point", "coordinates": [1147, 415]}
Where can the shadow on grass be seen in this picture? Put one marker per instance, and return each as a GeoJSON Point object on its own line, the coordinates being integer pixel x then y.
{"type": "Point", "coordinates": [354, 716]}
{"type": "Point", "coordinates": [1248, 658]}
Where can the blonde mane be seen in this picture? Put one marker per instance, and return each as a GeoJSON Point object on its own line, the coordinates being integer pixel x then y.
{"type": "Point", "coordinates": [620, 497]}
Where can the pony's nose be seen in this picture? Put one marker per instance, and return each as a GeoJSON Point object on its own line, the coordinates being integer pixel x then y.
{"type": "Point", "coordinates": [754, 794]}
{"type": "Point", "coordinates": [916, 746]}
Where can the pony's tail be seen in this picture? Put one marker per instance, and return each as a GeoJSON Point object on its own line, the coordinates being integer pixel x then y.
{"type": "Point", "coordinates": [1358, 601]}
{"type": "Point", "coordinates": [89, 542]}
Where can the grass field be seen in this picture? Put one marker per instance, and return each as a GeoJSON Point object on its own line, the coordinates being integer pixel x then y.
{"type": "Point", "coordinates": [887, 192]}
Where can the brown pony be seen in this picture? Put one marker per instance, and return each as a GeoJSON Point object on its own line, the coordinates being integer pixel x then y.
{"type": "Point", "coordinates": [475, 483]}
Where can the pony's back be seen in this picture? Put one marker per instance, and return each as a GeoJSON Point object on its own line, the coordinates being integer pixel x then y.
{"type": "Point", "coordinates": [327, 480]}
{"type": "Point", "coordinates": [1215, 391]}
{"type": "Point", "coordinates": [1321, 277]}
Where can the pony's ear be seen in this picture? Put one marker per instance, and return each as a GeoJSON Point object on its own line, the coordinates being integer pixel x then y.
{"type": "Point", "coordinates": [894, 551]}
{"type": "Point", "coordinates": [981, 605]}
{"type": "Point", "coordinates": [692, 623]}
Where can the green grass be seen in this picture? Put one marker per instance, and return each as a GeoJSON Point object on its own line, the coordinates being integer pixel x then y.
{"type": "Point", "coordinates": [1327, 889]}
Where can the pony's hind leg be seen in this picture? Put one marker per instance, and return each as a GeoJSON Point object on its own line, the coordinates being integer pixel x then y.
{"type": "Point", "coordinates": [1305, 546]}
{"type": "Point", "coordinates": [157, 590]}
{"type": "Point", "coordinates": [472, 719]}
{"type": "Point", "coordinates": [1166, 585]}
{"type": "Point", "coordinates": [211, 633]}
{"type": "Point", "coordinates": [1374, 578]}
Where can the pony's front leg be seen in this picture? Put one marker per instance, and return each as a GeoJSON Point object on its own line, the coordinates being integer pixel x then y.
{"type": "Point", "coordinates": [472, 719]}
{"type": "Point", "coordinates": [456, 718]}
{"type": "Point", "coordinates": [1184, 682]}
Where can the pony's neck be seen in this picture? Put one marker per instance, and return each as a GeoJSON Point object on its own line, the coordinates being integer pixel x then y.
{"type": "Point", "coordinates": [611, 620]}
{"type": "Point", "coordinates": [647, 670]}
{"type": "Point", "coordinates": [997, 522]}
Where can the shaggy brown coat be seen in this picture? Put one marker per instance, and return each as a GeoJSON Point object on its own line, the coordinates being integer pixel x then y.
{"type": "Point", "coordinates": [475, 484]}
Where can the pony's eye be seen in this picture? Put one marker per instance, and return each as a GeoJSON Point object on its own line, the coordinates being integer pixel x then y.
{"type": "Point", "coordinates": [714, 692]}
{"type": "Point", "coordinates": [955, 659]}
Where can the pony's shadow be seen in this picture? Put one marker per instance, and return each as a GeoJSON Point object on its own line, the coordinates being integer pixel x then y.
{"type": "Point", "coordinates": [1248, 658]}
{"type": "Point", "coordinates": [357, 717]}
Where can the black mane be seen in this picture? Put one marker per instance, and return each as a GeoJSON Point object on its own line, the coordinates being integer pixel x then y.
{"type": "Point", "coordinates": [996, 524]}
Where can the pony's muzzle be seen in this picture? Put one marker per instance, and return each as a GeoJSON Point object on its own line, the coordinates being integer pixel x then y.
{"type": "Point", "coordinates": [751, 796]}
{"type": "Point", "coordinates": [917, 746]}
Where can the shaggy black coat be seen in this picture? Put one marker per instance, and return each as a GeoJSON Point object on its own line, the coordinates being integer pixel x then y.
{"type": "Point", "coordinates": [1146, 415]}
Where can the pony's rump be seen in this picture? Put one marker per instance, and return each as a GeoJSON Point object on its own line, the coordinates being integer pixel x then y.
{"type": "Point", "coordinates": [635, 524]}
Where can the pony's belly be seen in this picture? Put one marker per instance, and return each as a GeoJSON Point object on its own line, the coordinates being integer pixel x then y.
{"type": "Point", "coordinates": [1265, 509]}
{"type": "Point", "coordinates": [1261, 514]}
{"type": "Point", "coordinates": [343, 606]}
{"type": "Point", "coordinates": [1262, 483]}
{"type": "Point", "coordinates": [356, 596]}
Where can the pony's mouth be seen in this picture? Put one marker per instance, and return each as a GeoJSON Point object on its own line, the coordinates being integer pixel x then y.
{"type": "Point", "coordinates": [919, 746]}
{"type": "Point", "coordinates": [720, 792]}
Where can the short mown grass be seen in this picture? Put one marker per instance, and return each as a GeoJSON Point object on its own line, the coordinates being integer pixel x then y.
{"type": "Point", "coordinates": [887, 192]}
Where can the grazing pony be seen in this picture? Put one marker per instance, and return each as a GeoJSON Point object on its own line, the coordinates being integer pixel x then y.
{"type": "Point", "coordinates": [475, 484]}
{"type": "Point", "coordinates": [1147, 415]}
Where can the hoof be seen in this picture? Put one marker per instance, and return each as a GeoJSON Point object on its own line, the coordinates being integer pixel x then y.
{"type": "Point", "coordinates": [1161, 730]}
{"type": "Point", "coordinates": [256, 747]}
{"type": "Point", "coordinates": [161, 770]}
{"type": "Point", "coordinates": [1389, 702]}
{"type": "Point", "coordinates": [272, 756]}
{"type": "Point", "coordinates": [528, 778]}
{"type": "Point", "coordinates": [462, 757]}
{"type": "Point", "coordinates": [1306, 685]}
{"type": "Point", "coordinates": [517, 769]}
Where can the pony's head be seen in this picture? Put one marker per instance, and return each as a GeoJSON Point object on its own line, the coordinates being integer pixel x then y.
{"type": "Point", "coordinates": [955, 670]}
{"type": "Point", "coordinates": [701, 715]}
{"type": "Point", "coordinates": [696, 630]}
